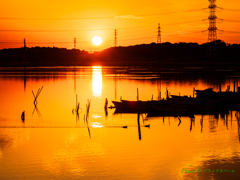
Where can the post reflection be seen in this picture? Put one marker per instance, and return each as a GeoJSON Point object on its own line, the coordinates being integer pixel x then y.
{"type": "Point", "coordinates": [139, 128]}
{"type": "Point", "coordinates": [97, 81]}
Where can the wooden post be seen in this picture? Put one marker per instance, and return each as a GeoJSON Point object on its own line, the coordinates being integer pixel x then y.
{"type": "Point", "coordinates": [237, 85]}
{"type": "Point", "coordinates": [234, 86]}
{"type": "Point", "coordinates": [137, 95]}
{"type": "Point", "coordinates": [139, 129]}
{"type": "Point", "coordinates": [191, 124]}
{"type": "Point", "coordinates": [179, 121]}
{"type": "Point", "coordinates": [23, 116]}
{"type": "Point", "coordinates": [76, 105]}
{"type": "Point", "coordinates": [106, 103]}
{"type": "Point", "coordinates": [191, 103]}
{"type": "Point", "coordinates": [106, 107]}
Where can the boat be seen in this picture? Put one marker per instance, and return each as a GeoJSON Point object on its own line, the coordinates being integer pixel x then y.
{"type": "Point", "coordinates": [206, 102]}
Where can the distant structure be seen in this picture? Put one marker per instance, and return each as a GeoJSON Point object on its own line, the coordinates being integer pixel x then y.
{"type": "Point", "coordinates": [75, 41]}
{"type": "Point", "coordinates": [212, 50]}
{"type": "Point", "coordinates": [159, 34]}
{"type": "Point", "coordinates": [115, 38]}
{"type": "Point", "coordinates": [212, 28]}
{"type": "Point", "coordinates": [24, 43]}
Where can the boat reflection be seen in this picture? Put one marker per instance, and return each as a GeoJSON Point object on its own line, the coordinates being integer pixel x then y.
{"type": "Point", "coordinates": [212, 120]}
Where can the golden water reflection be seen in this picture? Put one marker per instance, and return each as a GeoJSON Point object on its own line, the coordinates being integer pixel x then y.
{"type": "Point", "coordinates": [111, 152]}
{"type": "Point", "coordinates": [96, 125]}
{"type": "Point", "coordinates": [97, 81]}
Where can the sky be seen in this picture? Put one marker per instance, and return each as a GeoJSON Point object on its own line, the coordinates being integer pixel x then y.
{"type": "Point", "coordinates": [57, 22]}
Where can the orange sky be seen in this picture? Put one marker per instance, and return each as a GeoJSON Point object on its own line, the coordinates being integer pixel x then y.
{"type": "Point", "coordinates": [57, 23]}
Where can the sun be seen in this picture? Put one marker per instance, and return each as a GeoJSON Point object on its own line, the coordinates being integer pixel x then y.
{"type": "Point", "coordinates": [97, 40]}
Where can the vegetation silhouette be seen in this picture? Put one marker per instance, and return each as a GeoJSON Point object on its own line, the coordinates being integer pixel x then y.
{"type": "Point", "coordinates": [177, 54]}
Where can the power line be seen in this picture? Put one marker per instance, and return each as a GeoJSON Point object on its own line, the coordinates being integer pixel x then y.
{"type": "Point", "coordinates": [66, 42]}
{"type": "Point", "coordinates": [193, 10]}
{"type": "Point", "coordinates": [236, 32]}
{"type": "Point", "coordinates": [229, 20]}
{"type": "Point", "coordinates": [108, 29]}
{"type": "Point", "coordinates": [182, 23]}
{"type": "Point", "coordinates": [230, 9]}
{"type": "Point", "coordinates": [109, 17]}
{"type": "Point", "coordinates": [14, 18]}
{"type": "Point", "coordinates": [9, 30]}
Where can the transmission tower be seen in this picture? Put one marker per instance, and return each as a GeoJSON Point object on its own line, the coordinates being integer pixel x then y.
{"type": "Point", "coordinates": [115, 38]}
{"type": "Point", "coordinates": [212, 48]}
{"type": "Point", "coordinates": [75, 41]}
{"type": "Point", "coordinates": [212, 29]}
{"type": "Point", "coordinates": [159, 34]}
{"type": "Point", "coordinates": [24, 43]}
{"type": "Point", "coordinates": [212, 18]}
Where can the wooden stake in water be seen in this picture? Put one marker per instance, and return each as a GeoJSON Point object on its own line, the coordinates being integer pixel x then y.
{"type": "Point", "coordinates": [201, 122]}
{"type": "Point", "coordinates": [234, 86]}
{"type": "Point", "coordinates": [35, 97]}
{"type": "Point", "coordinates": [137, 95]}
{"type": "Point", "coordinates": [139, 129]}
{"type": "Point", "coordinates": [237, 85]}
{"type": "Point", "coordinates": [106, 107]}
{"type": "Point", "coordinates": [35, 101]}
{"type": "Point", "coordinates": [87, 116]}
{"type": "Point", "coordinates": [23, 116]}
{"type": "Point", "coordinates": [179, 121]}
{"type": "Point", "coordinates": [76, 100]}
{"type": "Point", "coordinates": [106, 104]}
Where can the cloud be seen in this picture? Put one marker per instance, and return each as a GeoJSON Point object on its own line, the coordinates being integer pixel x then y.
{"type": "Point", "coordinates": [129, 17]}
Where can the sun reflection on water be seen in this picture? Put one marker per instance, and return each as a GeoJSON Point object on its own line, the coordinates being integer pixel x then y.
{"type": "Point", "coordinates": [97, 81]}
{"type": "Point", "coordinates": [95, 116]}
{"type": "Point", "coordinates": [96, 125]}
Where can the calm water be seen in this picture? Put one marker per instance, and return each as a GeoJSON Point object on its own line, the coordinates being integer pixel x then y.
{"type": "Point", "coordinates": [54, 143]}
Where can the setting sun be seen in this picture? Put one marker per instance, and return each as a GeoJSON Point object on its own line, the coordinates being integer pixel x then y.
{"type": "Point", "coordinates": [97, 40]}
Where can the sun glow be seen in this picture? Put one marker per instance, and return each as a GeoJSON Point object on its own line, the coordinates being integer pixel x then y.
{"type": "Point", "coordinates": [97, 40]}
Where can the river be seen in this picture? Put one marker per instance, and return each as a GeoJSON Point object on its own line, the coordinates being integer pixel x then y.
{"type": "Point", "coordinates": [55, 142]}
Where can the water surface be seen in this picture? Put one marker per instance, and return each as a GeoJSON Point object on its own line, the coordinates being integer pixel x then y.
{"type": "Point", "coordinates": [55, 143]}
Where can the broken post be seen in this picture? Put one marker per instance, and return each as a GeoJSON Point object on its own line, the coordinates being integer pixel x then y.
{"type": "Point", "coordinates": [137, 95]}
